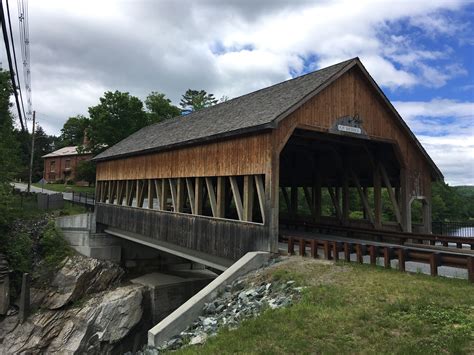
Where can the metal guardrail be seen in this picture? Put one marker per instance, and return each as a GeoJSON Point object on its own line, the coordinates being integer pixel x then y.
{"type": "Point", "coordinates": [459, 229]}
{"type": "Point", "coordinates": [84, 198]}
{"type": "Point", "coordinates": [332, 249]}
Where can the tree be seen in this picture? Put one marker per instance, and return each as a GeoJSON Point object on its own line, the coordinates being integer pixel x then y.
{"type": "Point", "coordinates": [73, 130]}
{"type": "Point", "coordinates": [9, 161]}
{"type": "Point", "coordinates": [85, 171]}
{"type": "Point", "coordinates": [194, 100]}
{"type": "Point", "coordinates": [116, 117]}
{"type": "Point", "coordinates": [160, 108]}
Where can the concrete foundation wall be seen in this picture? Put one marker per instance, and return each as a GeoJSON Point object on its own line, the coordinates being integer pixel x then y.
{"type": "Point", "coordinates": [177, 321]}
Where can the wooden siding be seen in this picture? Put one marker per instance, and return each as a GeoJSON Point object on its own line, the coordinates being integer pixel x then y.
{"type": "Point", "coordinates": [352, 94]}
{"type": "Point", "coordinates": [224, 238]}
{"type": "Point", "coordinates": [238, 156]}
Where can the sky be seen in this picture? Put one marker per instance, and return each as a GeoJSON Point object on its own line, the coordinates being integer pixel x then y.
{"type": "Point", "coordinates": [420, 52]}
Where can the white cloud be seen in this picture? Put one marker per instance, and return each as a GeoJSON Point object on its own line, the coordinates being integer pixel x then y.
{"type": "Point", "coordinates": [445, 127]}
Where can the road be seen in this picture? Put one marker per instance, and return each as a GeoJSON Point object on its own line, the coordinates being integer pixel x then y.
{"type": "Point", "coordinates": [66, 195]}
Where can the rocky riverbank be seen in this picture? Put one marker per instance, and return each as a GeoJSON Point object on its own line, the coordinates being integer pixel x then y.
{"type": "Point", "coordinates": [83, 310]}
{"type": "Point", "coordinates": [245, 298]}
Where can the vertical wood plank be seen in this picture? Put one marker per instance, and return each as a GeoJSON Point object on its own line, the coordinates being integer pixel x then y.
{"type": "Point", "coordinates": [248, 198]}
{"type": "Point", "coordinates": [221, 196]}
{"type": "Point", "coordinates": [180, 197]}
{"type": "Point", "coordinates": [150, 194]}
{"type": "Point", "coordinates": [198, 191]}
{"type": "Point", "coordinates": [190, 189]}
{"type": "Point", "coordinates": [261, 195]}
{"type": "Point", "coordinates": [212, 195]}
{"type": "Point", "coordinates": [236, 194]}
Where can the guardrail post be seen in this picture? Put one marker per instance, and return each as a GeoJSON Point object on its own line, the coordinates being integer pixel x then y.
{"type": "Point", "coordinates": [347, 251]}
{"type": "Point", "coordinates": [459, 245]}
{"type": "Point", "coordinates": [327, 254]}
{"type": "Point", "coordinates": [302, 247]}
{"type": "Point", "coordinates": [314, 248]}
{"type": "Point", "coordinates": [359, 255]}
{"type": "Point", "coordinates": [470, 268]}
{"type": "Point", "coordinates": [335, 251]}
{"type": "Point", "coordinates": [401, 259]}
{"type": "Point", "coordinates": [434, 263]}
{"type": "Point", "coordinates": [291, 246]}
{"type": "Point", "coordinates": [373, 254]}
{"type": "Point", "coordinates": [387, 255]}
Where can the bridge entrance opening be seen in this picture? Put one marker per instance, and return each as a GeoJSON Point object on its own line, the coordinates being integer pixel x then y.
{"type": "Point", "coordinates": [339, 180]}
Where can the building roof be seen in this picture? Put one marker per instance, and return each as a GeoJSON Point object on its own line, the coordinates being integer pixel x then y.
{"type": "Point", "coordinates": [252, 110]}
{"type": "Point", "coordinates": [72, 150]}
{"type": "Point", "coordinates": [255, 111]}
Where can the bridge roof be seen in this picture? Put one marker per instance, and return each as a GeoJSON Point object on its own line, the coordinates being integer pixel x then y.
{"type": "Point", "coordinates": [256, 111]}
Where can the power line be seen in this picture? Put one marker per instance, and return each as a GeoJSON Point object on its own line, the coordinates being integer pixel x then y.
{"type": "Point", "coordinates": [15, 61]}
{"type": "Point", "coordinates": [24, 27]}
{"type": "Point", "coordinates": [10, 64]}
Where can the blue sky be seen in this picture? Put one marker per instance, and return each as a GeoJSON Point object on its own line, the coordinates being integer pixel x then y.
{"type": "Point", "coordinates": [419, 51]}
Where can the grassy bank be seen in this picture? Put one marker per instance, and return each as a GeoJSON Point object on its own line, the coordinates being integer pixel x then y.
{"type": "Point", "coordinates": [350, 308]}
{"type": "Point", "coordinates": [66, 188]}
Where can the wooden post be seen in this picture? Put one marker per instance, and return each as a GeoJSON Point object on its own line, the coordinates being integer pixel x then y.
{"type": "Point", "coordinates": [198, 196]}
{"type": "Point", "coordinates": [159, 193]}
{"type": "Point", "coordinates": [24, 311]}
{"type": "Point", "coordinates": [237, 199]}
{"type": "Point", "coordinates": [470, 268]}
{"type": "Point", "coordinates": [434, 263]}
{"type": "Point", "coordinates": [359, 254]}
{"type": "Point", "coordinates": [335, 203]}
{"type": "Point", "coordinates": [220, 196]}
{"type": "Point", "coordinates": [174, 197]}
{"type": "Point", "coordinates": [377, 199]}
{"type": "Point", "coordinates": [363, 198]}
{"type": "Point", "coordinates": [291, 246]}
{"type": "Point", "coordinates": [164, 194]}
{"type": "Point", "coordinates": [387, 256]}
{"type": "Point", "coordinates": [314, 248]}
{"type": "Point", "coordinates": [150, 194]}
{"type": "Point", "coordinates": [212, 196]}
{"type": "Point", "coordinates": [309, 200]}
{"type": "Point", "coordinates": [248, 197]}
{"type": "Point", "coordinates": [405, 202]}
{"type": "Point", "coordinates": [180, 197]}
{"type": "Point", "coordinates": [190, 189]}
{"type": "Point", "coordinates": [401, 259]}
{"type": "Point", "coordinates": [335, 251]}
{"type": "Point", "coordinates": [373, 250]}
{"type": "Point", "coordinates": [302, 247]}
{"type": "Point", "coordinates": [347, 251]}
{"type": "Point", "coordinates": [327, 252]}
{"type": "Point", "coordinates": [261, 195]}
{"type": "Point", "coordinates": [391, 193]}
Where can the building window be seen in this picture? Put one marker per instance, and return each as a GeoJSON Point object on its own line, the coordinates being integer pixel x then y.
{"type": "Point", "coordinates": [52, 167]}
{"type": "Point", "coordinates": [68, 164]}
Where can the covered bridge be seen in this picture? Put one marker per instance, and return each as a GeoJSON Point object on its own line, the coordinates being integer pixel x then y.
{"type": "Point", "coordinates": [220, 181]}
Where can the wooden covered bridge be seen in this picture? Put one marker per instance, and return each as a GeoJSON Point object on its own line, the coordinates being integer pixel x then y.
{"type": "Point", "coordinates": [220, 181]}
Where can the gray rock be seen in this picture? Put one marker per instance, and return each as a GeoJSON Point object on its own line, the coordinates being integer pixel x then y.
{"type": "Point", "coordinates": [198, 339]}
{"type": "Point", "coordinates": [81, 276]}
{"type": "Point", "coordinates": [93, 328]}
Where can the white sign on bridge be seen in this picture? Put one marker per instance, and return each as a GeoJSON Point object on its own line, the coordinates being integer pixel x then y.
{"type": "Point", "coordinates": [349, 129]}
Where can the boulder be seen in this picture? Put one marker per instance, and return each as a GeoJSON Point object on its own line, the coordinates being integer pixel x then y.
{"type": "Point", "coordinates": [93, 328]}
{"type": "Point", "coordinates": [78, 277]}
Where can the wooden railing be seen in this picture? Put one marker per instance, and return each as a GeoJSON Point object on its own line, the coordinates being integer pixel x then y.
{"type": "Point", "coordinates": [332, 249]}
{"type": "Point", "coordinates": [385, 235]}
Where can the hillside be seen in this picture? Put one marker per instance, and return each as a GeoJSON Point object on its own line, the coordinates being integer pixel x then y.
{"type": "Point", "coordinates": [349, 308]}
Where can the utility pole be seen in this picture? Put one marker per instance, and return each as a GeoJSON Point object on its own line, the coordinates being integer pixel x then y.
{"type": "Point", "coordinates": [32, 151]}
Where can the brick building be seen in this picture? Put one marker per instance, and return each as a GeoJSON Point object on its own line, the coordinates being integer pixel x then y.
{"type": "Point", "coordinates": [61, 164]}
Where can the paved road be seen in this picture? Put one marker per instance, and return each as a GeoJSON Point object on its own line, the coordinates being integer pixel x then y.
{"type": "Point", "coordinates": [24, 187]}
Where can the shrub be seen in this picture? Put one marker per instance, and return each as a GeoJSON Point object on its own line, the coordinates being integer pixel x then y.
{"type": "Point", "coordinates": [54, 248]}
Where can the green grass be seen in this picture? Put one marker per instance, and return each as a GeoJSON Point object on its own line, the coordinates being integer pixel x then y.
{"type": "Point", "coordinates": [350, 308]}
{"type": "Point", "coordinates": [66, 188]}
